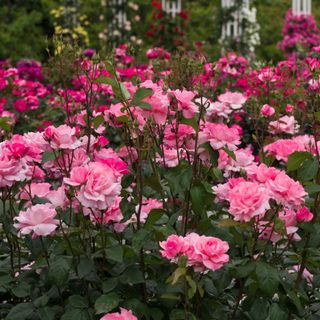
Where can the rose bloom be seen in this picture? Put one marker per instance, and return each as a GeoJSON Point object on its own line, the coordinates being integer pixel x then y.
{"type": "Point", "coordinates": [220, 135]}
{"type": "Point", "coordinates": [11, 170]}
{"type": "Point", "coordinates": [247, 200]}
{"type": "Point", "coordinates": [123, 315]}
{"type": "Point", "coordinates": [285, 190]}
{"type": "Point", "coordinates": [101, 187]}
{"type": "Point", "coordinates": [112, 214]}
{"type": "Point", "coordinates": [173, 246]}
{"type": "Point", "coordinates": [173, 137]}
{"type": "Point", "coordinates": [234, 99]}
{"type": "Point", "coordinates": [159, 103]}
{"type": "Point", "coordinates": [62, 137]}
{"type": "Point", "coordinates": [212, 252]}
{"type": "Point", "coordinates": [38, 220]}
{"type": "Point", "coordinates": [222, 190]}
{"type": "Point", "coordinates": [147, 206]}
{"type": "Point", "coordinates": [282, 148]}
{"type": "Point", "coordinates": [267, 111]}
{"type": "Point", "coordinates": [285, 124]}
{"type": "Point", "coordinates": [185, 103]}
{"type": "Point", "coordinates": [304, 214]}
{"type": "Point", "coordinates": [261, 173]}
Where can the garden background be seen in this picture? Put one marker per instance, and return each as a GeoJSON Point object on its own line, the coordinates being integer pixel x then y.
{"type": "Point", "coordinates": [26, 26]}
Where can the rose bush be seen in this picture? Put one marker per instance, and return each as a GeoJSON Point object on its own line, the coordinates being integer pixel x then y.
{"type": "Point", "coordinates": [152, 192]}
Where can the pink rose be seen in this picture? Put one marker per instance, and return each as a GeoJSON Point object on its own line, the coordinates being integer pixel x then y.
{"type": "Point", "coordinates": [38, 220]}
{"type": "Point", "coordinates": [233, 99]}
{"type": "Point", "coordinates": [212, 252]}
{"type": "Point", "coordinates": [289, 108]}
{"type": "Point", "coordinates": [173, 246]}
{"type": "Point", "coordinates": [282, 148]}
{"type": "Point", "coordinates": [78, 176]}
{"type": "Point", "coordinates": [11, 170]}
{"type": "Point", "coordinates": [100, 188]}
{"type": "Point", "coordinates": [285, 124]}
{"type": "Point", "coordinates": [220, 135]}
{"type": "Point", "coordinates": [267, 110]}
{"type": "Point", "coordinates": [248, 200]}
{"type": "Point", "coordinates": [35, 189]}
{"type": "Point", "coordinates": [185, 103]}
{"type": "Point", "coordinates": [304, 214]}
{"type": "Point", "coordinates": [64, 137]}
{"type": "Point", "coordinates": [123, 315]}
{"type": "Point", "coordinates": [285, 190]}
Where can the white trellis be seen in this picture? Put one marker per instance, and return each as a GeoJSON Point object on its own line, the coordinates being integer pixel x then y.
{"type": "Point", "coordinates": [119, 14]}
{"type": "Point", "coordinates": [71, 13]}
{"type": "Point", "coordinates": [233, 27]}
{"type": "Point", "coordinates": [301, 7]}
{"type": "Point", "coordinates": [172, 7]}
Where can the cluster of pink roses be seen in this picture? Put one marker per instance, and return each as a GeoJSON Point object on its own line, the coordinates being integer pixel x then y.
{"type": "Point", "coordinates": [202, 252]}
{"type": "Point", "coordinates": [299, 30]}
{"type": "Point", "coordinates": [252, 198]}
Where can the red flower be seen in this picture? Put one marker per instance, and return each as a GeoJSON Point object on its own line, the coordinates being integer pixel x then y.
{"type": "Point", "coordinates": [183, 14]}
{"type": "Point", "coordinates": [156, 4]}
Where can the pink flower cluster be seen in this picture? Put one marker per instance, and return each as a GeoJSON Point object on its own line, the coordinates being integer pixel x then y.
{"type": "Point", "coordinates": [251, 198]}
{"type": "Point", "coordinates": [299, 30]}
{"type": "Point", "coordinates": [202, 252]}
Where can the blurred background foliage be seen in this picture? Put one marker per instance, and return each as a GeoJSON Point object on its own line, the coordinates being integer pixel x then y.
{"type": "Point", "coordinates": [27, 26]}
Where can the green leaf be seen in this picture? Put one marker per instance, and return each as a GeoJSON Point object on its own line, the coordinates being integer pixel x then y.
{"type": "Point", "coordinates": [140, 95]}
{"type": "Point", "coordinates": [227, 223]}
{"type": "Point", "coordinates": [46, 313]}
{"type": "Point", "coordinates": [109, 284]}
{"type": "Point", "coordinates": [276, 313]}
{"type": "Point", "coordinates": [178, 273]}
{"type": "Point", "coordinates": [244, 271]}
{"type": "Point", "coordinates": [308, 170]}
{"type": "Point", "coordinates": [76, 314]}
{"type": "Point", "coordinates": [179, 178]}
{"type": "Point", "coordinates": [140, 238]}
{"type": "Point", "coordinates": [132, 275]}
{"type": "Point", "coordinates": [125, 92]}
{"type": "Point", "coordinates": [156, 314]}
{"type": "Point", "coordinates": [268, 278]}
{"type": "Point", "coordinates": [59, 271]}
{"type": "Point", "coordinates": [314, 188]}
{"type": "Point", "coordinates": [200, 198]}
{"type": "Point", "coordinates": [85, 267]}
{"type": "Point", "coordinates": [107, 303]}
{"type": "Point", "coordinates": [153, 217]}
{"type": "Point", "coordinates": [21, 290]}
{"type": "Point", "coordinates": [123, 119]}
{"type": "Point", "coordinates": [97, 121]}
{"type": "Point", "coordinates": [78, 302]}
{"type": "Point", "coordinates": [190, 122]}
{"type": "Point", "coordinates": [48, 156]}
{"type": "Point", "coordinates": [21, 311]}
{"type": "Point", "coordinates": [119, 90]}
{"type": "Point", "coordinates": [144, 105]}
{"type": "Point", "coordinates": [4, 123]}
{"type": "Point", "coordinates": [115, 253]}
{"type": "Point", "coordinates": [106, 80]}
{"type": "Point", "coordinates": [296, 159]}
{"type": "Point", "coordinates": [41, 301]}
{"type": "Point", "coordinates": [193, 287]}
{"type": "Point", "coordinates": [230, 153]}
